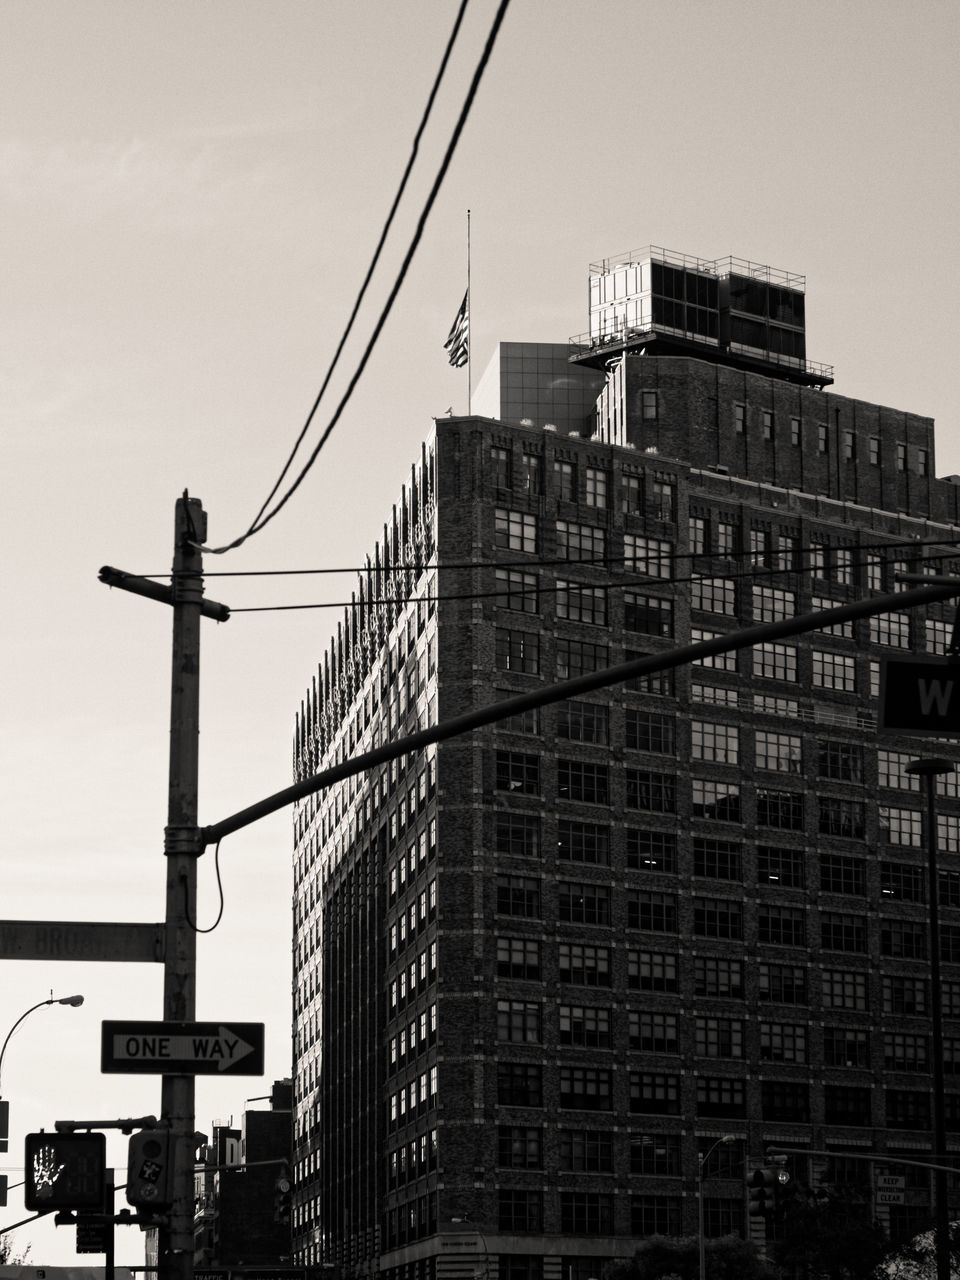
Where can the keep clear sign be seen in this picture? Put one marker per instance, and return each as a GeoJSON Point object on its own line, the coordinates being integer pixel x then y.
{"type": "Point", "coordinates": [182, 1048]}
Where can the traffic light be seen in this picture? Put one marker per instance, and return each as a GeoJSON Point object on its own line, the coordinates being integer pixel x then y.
{"type": "Point", "coordinates": [148, 1169]}
{"type": "Point", "coordinates": [783, 1190]}
{"type": "Point", "coordinates": [282, 1192]}
{"type": "Point", "coordinates": [761, 1200]}
{"type": "Point", "coordinates": [65, 1171]}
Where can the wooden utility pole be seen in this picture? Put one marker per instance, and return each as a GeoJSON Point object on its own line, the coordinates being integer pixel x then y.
{"type": "Point", "coordinates": [182, 848]}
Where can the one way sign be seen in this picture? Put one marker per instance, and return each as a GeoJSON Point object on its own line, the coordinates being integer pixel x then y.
{"type": "Point", "coordinates": [920, 697]}
{"type": "Point", "coordinates": [182, 1048]}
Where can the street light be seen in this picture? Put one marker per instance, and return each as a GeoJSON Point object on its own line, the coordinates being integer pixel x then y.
{"type": "Point", "coordinates": [702, 1158]}
{"type": "Point", "coordinates": [73, 1001]}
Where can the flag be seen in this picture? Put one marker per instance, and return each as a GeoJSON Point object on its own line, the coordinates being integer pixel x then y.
{"type": "Point", "coordinates": [457, 343]}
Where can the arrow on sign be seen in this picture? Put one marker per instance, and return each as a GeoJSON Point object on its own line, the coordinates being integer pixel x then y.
{"type": "Point", "coordinates": [182, 1048]}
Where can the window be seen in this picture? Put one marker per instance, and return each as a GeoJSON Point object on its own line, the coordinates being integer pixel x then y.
{"type": "Point", "coordinates": [782, 1042]}
{"type": "Point", "coordinates": [846, 1104]}
{"type": "Point", "coordinates": [596, 487]}
{"type": "Point", "coordinates": [500, 466]}
{"type": "Point", "coordinates": [759, 546]}
{"type": "Point", "coordinates": [834, 671]}
{"type": "Point", "coordinates": [781, 752]}
{"type": "Point", "coordinates": [653, 1032]}
{"type": "Point", "coordinates": [577, 602]}
{"type": "Point", "coordinates": [583, 722]}
{"type": "Point", "coordinates": [514, 530]}
{"type": "Point", "coordinates": [519, 1210]}
{"type": "Point", "coordinates": [900, 826]}
{"type": "Point", "coordinates": [583, 903]}
{"type": "Point", "coordinates": [717, 918]}
{"type": "Point", "coordinates": [908, 1109]}
{"type": "Point", "coordinates": [772, 604]}
{"type": "Point", "coordinates": [518, 773]}
{"type": "Point", "coordinates": [908, 883]}
{"type": "Point", "coordinates": [782, 984]}
{"type": "Point", "coordinates": [518, 896]}
{"type": "Point", "coordinates": [518, 834]}
{"type": "Point", "coordinates": [714, 695]}
{"type": "Point", "coordinates": [726, 538]}
{"type": "Point", "coordinates": [787, 1100]}
{"type": "Point", "coordinates": [720, 1096]}
{"type": "Point", "coordinates": [519, 1084]}
{"type": "Point", "coordinates": [714, 595]}
{"type": "Point", "coordinates": [664, 502]}
{"type": "Point", "coordinates": [650, 556]}
{"type": "Point", "coordinates": [726, 661]}
{"type": "Point", "coordinates": [652, 731]}
{"type": "Point", "coordinates": [656, 1155]}
{"type": "Point", "coordinates": [518, 651]}
{"type": "Point", "coordinates": [718, 977]}
{"type": "Point", "coordinates": [782, 809]}
{"type": "Point", "coordinates": [739, 418]}
{"type": "Point", "coordinates": [905, 1051]}
{"type": "Point", "coordinates": [519, 1021]}
{"type": "Point", "coordinates": [784, 867]}
{"type": "Point", "coordinates": [583, 781]}
{"type": "Point", "coordinates": [652, 912]}
{"type": "Point", "coordinates": [904, 994]}
{"type": "Point", "coordinates": [873, 449]}
{"type": "Point", "coordinates": [697, 533]}
{"type": "Point", "coordinates": [586, 1151]}
{"type": "Point", "coordinates": [842, 761]}
{"type": "Point", "coordinates": [841, 817]}
{"type": "Point", "coordinates": [579, 541]}
{"type": "Point", "coordinates": [565, 478]}
{"type": "Point", "coordinates": [584, 965]}
{"type": "Point", "coordinates": [840, 874]}
{"type": "Point", "coordinates": [648, 405]}
{"type": "Point", "coordinates": [715, 742]}
{"type": "Point", "coordinates": [579, 657]}
{"type": "Point", "coordinates": [901, 457]}
{"type": "Point", "coordinates": [584, 1026]}
{"type": "Point", "coordinates": [519, 1147]}
{"type": "Point", "coordinates": [843, 989]}
{"type": "Point", "coordinates": [586, 1088]}
{"type": "Point", "coordinates": [891, 766]}
{"type": "Point", "coordinates": [583, 842]}
{"type": "Point", "coordinates": [518, 591]}
{"type": "Point", "coordinates": [648, 615]}
{"type": "Point", "coordinates": [653, 1215]}
{"type": "Point", "coordinates": [904, 939]}
{"type": "Point", "coordinates": [781, 926]}
{"type": "Point", "coordinates": [795, 431]}
{"type": "Point", "coordinates": [717, 859]}
{"type": "Point", "coordinates": [531, 473]}
{"type": "Point", "coordinates": [518, 958]}
{"type": "Point", "coordinates": [845, 1047]}
{"type": "Point", "coordinates": [839, 932]}
{"type": "Point", "coordinates": [775, 661]}
{"type": "Point", "coordinates": [719, 801]}
{"type": "Point", "coordinates": [631, 495]}
{"type": "Point", "coordinates": [652, 851]}
{"type": "Point", "coordinates": [766, 423]}
{"type": "Point", "coordinates": [823, 440]}
{"type": "Point", "coordinates": [849, 446]}
{"type": "Point", "coordinates": [892, 629]}
{"type": "Point", "coordinates": [654, 1093]}
{"type": "Point", "coordinates": [651, 792]}
{"type": "Point", "coordinates": [718, 1037]}
{"type": "Point", "coordinates": [652, 971]}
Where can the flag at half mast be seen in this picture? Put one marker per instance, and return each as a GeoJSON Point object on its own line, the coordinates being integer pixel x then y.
{"type": "Point", "coordinates": [458, 342]}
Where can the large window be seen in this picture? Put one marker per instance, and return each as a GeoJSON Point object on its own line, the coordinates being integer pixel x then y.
{"type": "Point", "coordinates": [652, 731]}
{"type": "Point", "coordinates": [718, 977]}
{"type": "Point", "coordinates": [579, 603]}
{"type": "Point", "coordinates": [717, 918]}
{"type": "Point", "coordinates": [518, 834]}
{"type": "Point", "coordinates": [582, 780]}
{"type": "Point", "coordinates": [782, 926]}
{"type": "Point", "coordinates": [519, 1147]}
{"type": "Point", "coordinates": [714, 595]}
{"type": "Point", "coordinates": [775, 661]}
{"type": "Point", "coordinates": [586, 1088]}
{"type": "Point", "coordinates": [579, 657]}
{"type": "Point", "coordinates": [781, 809]}
{"type": "Point", "coordinates": [652, 971]}
{"type": "Point", "coordinates": [519, 1021]}
{"type": "Point", "coordinates": [583, 903]}
{"type": "Point", "coordinates": [518, 651]}
{"type": "Point", "coordinates": [652, 851]}
{"type": "Point", "coordinates": [719, 801]}
{"type": "Point", "coordinates": [514, 530]}
{"type": "Point", "coordinates": [584, 965]}
{"type": "Point", "coordinates": [648, 615]}
{"type": "Point", "coordinates": [779, 752]}
{"type": "Point", "coordinates": [652, 912]}
{"type": "Point", "coordinates": [583, 722]}
{"type": "Point", "coordinates": [518, 772]}
{"type": "Point", "coordinates": [652, 792]}
{"type": "Point", "coordinates": [584, 1026]}
{"type": "Point", "coordinates": [653, 1032]}
{"type": "Point", "coordinates": [650, 556]}
{"type": "Point", "coordinates": [715, 742]}
{"type": "Point", "coordinates": [654, 1093]}
{"type": "Point", "coordinates": [580, 541]}
{"type": "Point", "coordinates": [834, 671]}
{"type": "Point", "coordinates": [586, 842]}
{"type": "Point", "coordinates": [518, 590]}
{"type": "Point", "coordinates": [586, 1151]}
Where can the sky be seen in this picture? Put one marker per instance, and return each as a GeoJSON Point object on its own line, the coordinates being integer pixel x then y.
{"type": "Point", "coordinates": [190, 194]}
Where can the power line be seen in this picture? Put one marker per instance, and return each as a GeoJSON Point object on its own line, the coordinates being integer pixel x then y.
{"type": "Point", "coordinates": [263, 519]}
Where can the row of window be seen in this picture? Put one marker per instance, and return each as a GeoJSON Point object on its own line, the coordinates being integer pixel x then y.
{"type": "Point", "coordinates": [846, 441]}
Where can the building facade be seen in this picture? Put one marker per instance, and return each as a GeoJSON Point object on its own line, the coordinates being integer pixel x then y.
{"type": "Point", "coordinates": [542, 970]}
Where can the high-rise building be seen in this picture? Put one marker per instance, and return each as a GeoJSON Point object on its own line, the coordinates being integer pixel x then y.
{"type": "Point", "coordinates": [558, 979]}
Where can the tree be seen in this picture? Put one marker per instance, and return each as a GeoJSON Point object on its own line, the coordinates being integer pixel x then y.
{"type": "Point", "coordinates": [831, 1234]}
{"type": "Point", "coordinates": [7, 1256]}
{"type": "Point", "coordinates": [917, 1259]}
{"type": "Point", "coordinates": [678, 1258]}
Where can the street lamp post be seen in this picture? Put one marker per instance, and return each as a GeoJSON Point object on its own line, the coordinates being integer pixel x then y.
{"type": "Point", "coordinates": [702, 1157]}
{"type": "Point", "coordinates": [929, 770]}
{"type": "Point", "coordinates": [73, 1001]}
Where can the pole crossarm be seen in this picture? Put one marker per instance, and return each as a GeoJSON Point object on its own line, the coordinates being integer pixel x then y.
{"type": "Point", "coordinates": [648, 665]}
{"type": "Point", "coordinates": [887, 1158]}
{"type": "Point", "coordinates": [157, 591]}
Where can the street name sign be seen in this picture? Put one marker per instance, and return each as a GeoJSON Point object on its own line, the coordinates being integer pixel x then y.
{"type": "Point", "coordinates": [80, 940]}
{"type": "Point", "coordinates": [920, 697]}
{"type": "Point", "coordinates": [182, 1048]}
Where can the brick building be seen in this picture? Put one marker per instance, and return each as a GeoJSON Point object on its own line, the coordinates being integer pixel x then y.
{"type": "Point", "coordinates": [539, 968]}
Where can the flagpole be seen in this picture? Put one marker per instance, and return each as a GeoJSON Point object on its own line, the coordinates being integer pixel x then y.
{"type": "Point", "coordinates": [469, 311]}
